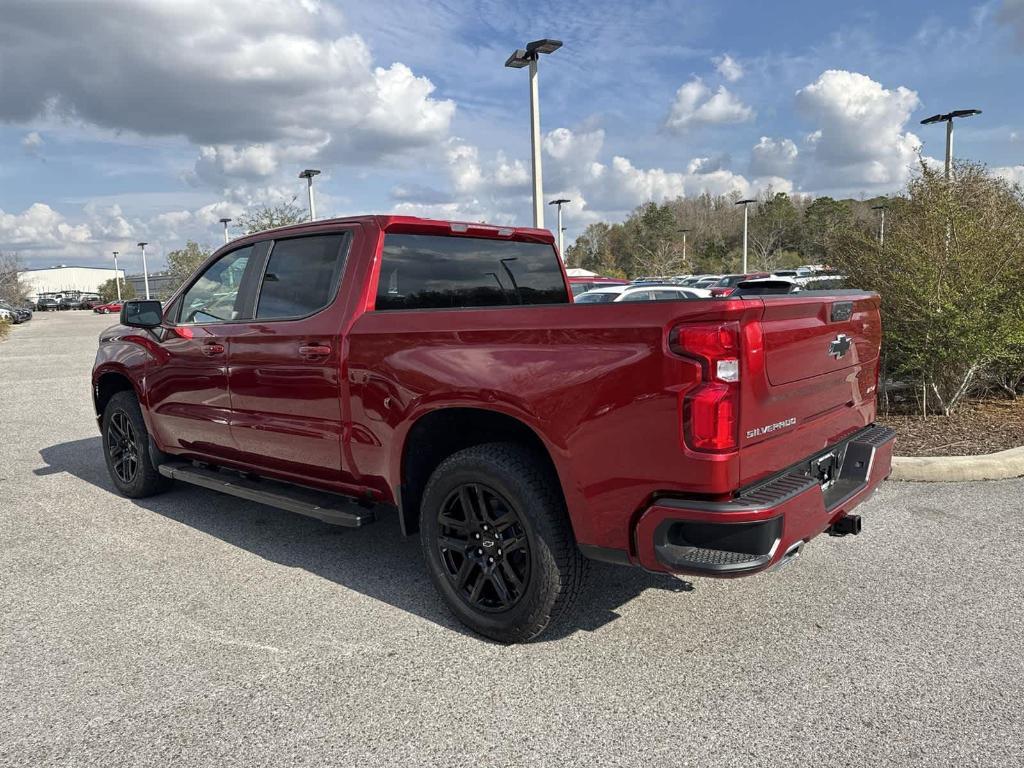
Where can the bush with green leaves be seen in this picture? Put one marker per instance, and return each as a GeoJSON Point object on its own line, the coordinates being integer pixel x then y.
{"type": "Point", "coordinates": [108, 291]}
{"type": "Point", "coordinates": [950, 277]}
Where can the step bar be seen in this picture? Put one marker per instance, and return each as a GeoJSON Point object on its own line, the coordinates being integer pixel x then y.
{"type": "Point", "coordinates": [327, 507]}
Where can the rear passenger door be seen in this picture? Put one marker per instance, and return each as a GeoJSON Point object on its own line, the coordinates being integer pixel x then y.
{"type": "Point", "coordinates": [285, 369]}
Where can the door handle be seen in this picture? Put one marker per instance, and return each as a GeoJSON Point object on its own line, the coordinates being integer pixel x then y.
{"type": "Point", "coordinates": [213, 349]}
{"type": "Point", "coordinates": [314, 350]}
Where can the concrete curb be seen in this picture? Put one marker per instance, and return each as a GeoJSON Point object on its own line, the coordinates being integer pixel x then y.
{"type": "Point", "coordinates": [937, 469]}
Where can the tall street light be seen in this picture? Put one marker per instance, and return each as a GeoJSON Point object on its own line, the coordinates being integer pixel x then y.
{"type": "Point", "coordinates": [881, 228]}
{"type": "Point", "coordinates": [145, 270]}
{"type": "Point", "coordinates": [117, 277]}
{"type": "Point", "coordinates": [225, 222]}
{"type": "Point", "coordinates": [746, 206]}
{"type": "Point", "coordinates": [684, 230]}
{"type": "Point", "coordinates": [948, 119]}
{"type": "Point", "coordinates": [528, 58]}
{"type": "Point", "coordinates": [559, 202]}
{"type": "Point", "coordinates": [308, 175]}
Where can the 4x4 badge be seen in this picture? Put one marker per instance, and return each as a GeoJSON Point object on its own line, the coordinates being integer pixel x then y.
{"type": "Point", "coordinates": [839, 346]}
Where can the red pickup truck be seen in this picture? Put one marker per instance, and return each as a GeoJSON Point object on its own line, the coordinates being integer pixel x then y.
{"type": "Point", "coordinates": [441, 372]}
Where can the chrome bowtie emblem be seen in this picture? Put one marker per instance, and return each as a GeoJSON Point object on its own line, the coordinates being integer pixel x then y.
{"type": "Point", "coordinates": [839, 346]}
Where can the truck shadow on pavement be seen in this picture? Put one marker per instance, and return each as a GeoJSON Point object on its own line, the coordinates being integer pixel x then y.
{"type": "Point", "coordinates": [376, 560]}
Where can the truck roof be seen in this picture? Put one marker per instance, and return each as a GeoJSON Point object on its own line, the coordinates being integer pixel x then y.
{"type": "Point", "coordinates": [392, 221]}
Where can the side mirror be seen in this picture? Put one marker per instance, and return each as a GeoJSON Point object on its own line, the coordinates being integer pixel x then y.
{"type": "Point", "coordinates": [142, 313]}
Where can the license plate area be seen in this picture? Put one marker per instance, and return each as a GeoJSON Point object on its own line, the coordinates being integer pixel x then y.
{"type": "Point", "coordinates": [825, 469]}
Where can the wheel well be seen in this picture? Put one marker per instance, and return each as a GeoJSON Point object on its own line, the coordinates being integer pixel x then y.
{"type": "Point", "coordinates": [439, 434]}
{"type": "Point", "coordinates": [108, 385]}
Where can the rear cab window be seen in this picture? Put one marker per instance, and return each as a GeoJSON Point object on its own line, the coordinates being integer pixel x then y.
{"type": "Point", "coordinates": [446, 272]}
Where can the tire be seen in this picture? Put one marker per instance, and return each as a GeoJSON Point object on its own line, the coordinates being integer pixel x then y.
{"type": "Point", "coordinates": [502, 497]}
{"type": "Point", "coordinates": [126, 449]}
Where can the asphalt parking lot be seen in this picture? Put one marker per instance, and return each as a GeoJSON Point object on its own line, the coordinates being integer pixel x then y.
{"type": "Point", "coordinates": [195, 629]}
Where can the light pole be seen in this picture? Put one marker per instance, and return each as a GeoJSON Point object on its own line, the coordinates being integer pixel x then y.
{"type": "Point", "coordinates": [117, 277]}
{"type": "Point", "coordinates": [746, 205]}
{"type": "Point", "coordinates": [948, 119]}
{"type": "Point", "coordinates": [881, 228]}
{"type": "Point", "coordinates": [528, 58]}
{"type": "Point", "coordinates": [225, 223]}
{"type": "Point", "coordinates": [308, 175]}
{"type": "Point", "coordinates": [145, 270]}
{"type": "Point", "coordinates": [559, 202]}
{"type": "Point", "coordinates": [684, 230]}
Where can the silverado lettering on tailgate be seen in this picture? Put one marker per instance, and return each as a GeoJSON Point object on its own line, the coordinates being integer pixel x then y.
{"type": "Point", "coordinates": [758, 431]}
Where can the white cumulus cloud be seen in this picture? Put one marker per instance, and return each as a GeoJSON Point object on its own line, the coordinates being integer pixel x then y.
{"type": "Point", "coordinates": [696, 105]}
{"type": "Point", "coordinates": [860, 139]}
{"type": "Point", "coordinates": [773, 157]}
{"type": "Point", "coordinates": [728, 67]}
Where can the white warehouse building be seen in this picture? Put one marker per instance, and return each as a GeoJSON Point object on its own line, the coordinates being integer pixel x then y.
{"type": "Point", "coordinates": [64, 278]}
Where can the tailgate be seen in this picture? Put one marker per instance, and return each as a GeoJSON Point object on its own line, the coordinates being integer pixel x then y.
{"type": "Point", "coordinates": [807, 337]}
{"type": "Point", "coordinates": [816, 382]}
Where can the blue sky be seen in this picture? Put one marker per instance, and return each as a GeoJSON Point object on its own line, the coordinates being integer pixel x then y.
{"type": "Point", "coordinates": [128, 120]}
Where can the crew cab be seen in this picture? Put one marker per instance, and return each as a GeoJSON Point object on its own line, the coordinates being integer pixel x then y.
{"type": "Point", "coordinates": [440, 371]}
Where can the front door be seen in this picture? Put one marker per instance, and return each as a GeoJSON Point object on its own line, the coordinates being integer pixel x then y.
{"type": "Point", "coordinates": [285, 367]}
{"type": "Point", "coordinates": [187, 384]}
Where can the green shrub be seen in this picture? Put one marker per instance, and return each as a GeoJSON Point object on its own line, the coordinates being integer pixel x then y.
{"type": "Point", "coordinates": [949, 275]}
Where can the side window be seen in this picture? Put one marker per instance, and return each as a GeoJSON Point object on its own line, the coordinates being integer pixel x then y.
{"type": "Point", "coordinates": [638, 296]}
{"type": "Point", "coordinates": [301, 276]}
{"type": "Point", "coordinates": [213, 298]}
{"type": "Point", "coordinates": [669, 295]}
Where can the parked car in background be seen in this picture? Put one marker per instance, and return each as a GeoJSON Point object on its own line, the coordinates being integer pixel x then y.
{"type": "Point", "coordinates": [580, 285]}
{"type": "Point", "coordinates": [825, 281]}
{"type": "Point", "coordinates": [726, 284]}
{"type": "Point", "coordinates": [16, 315]}
{"type": "Point", "coordinates": [112, 307]}
{"type": "Point", "coordinates": [706, 281]}
{"type": "Point", "coordinates": [689, 281]}
{"type": "Point", "coordinates": [89, 301]}
{"type": "Point", "coordinates": [642, 292]}
{"type": "Point", "coordinates": [69, 302]}
{"type": "Point", "coordinates": [8, 316]}
{"type": "Point", "coordinates": [798, 273]}
{"type": "Point", "coordinates": [47, 304]}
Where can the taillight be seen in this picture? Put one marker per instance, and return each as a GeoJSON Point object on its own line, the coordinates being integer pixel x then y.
{"type": "Point", "coordinates": [709, 412]}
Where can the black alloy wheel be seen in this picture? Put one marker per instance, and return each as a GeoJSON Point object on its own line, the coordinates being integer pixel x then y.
{"type": "Point", "coordinates": [123, 446]}
{"type": "Point", "coordinates": [484, 548]}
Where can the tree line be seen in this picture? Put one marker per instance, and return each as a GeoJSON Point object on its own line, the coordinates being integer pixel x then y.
{"type": "Point", "coordinates": [784, 231]}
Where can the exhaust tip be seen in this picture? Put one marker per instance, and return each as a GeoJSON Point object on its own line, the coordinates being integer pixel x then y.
{"type": "Point", "coordinates": [845, 526]}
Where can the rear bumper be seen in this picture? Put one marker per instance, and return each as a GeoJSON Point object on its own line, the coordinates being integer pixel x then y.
{"type": "Point", "coordinates": [765, 523]}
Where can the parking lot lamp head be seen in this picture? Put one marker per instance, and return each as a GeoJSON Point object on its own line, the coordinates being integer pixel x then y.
{"type": "Point", "coordinates": [528, 57]}
{"type": "Point", "coordinates": [308, 175]}
{"type": "Point", "coordinates": [948, 119]}
{"type": "Point", "coordinates": [225, 222]}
